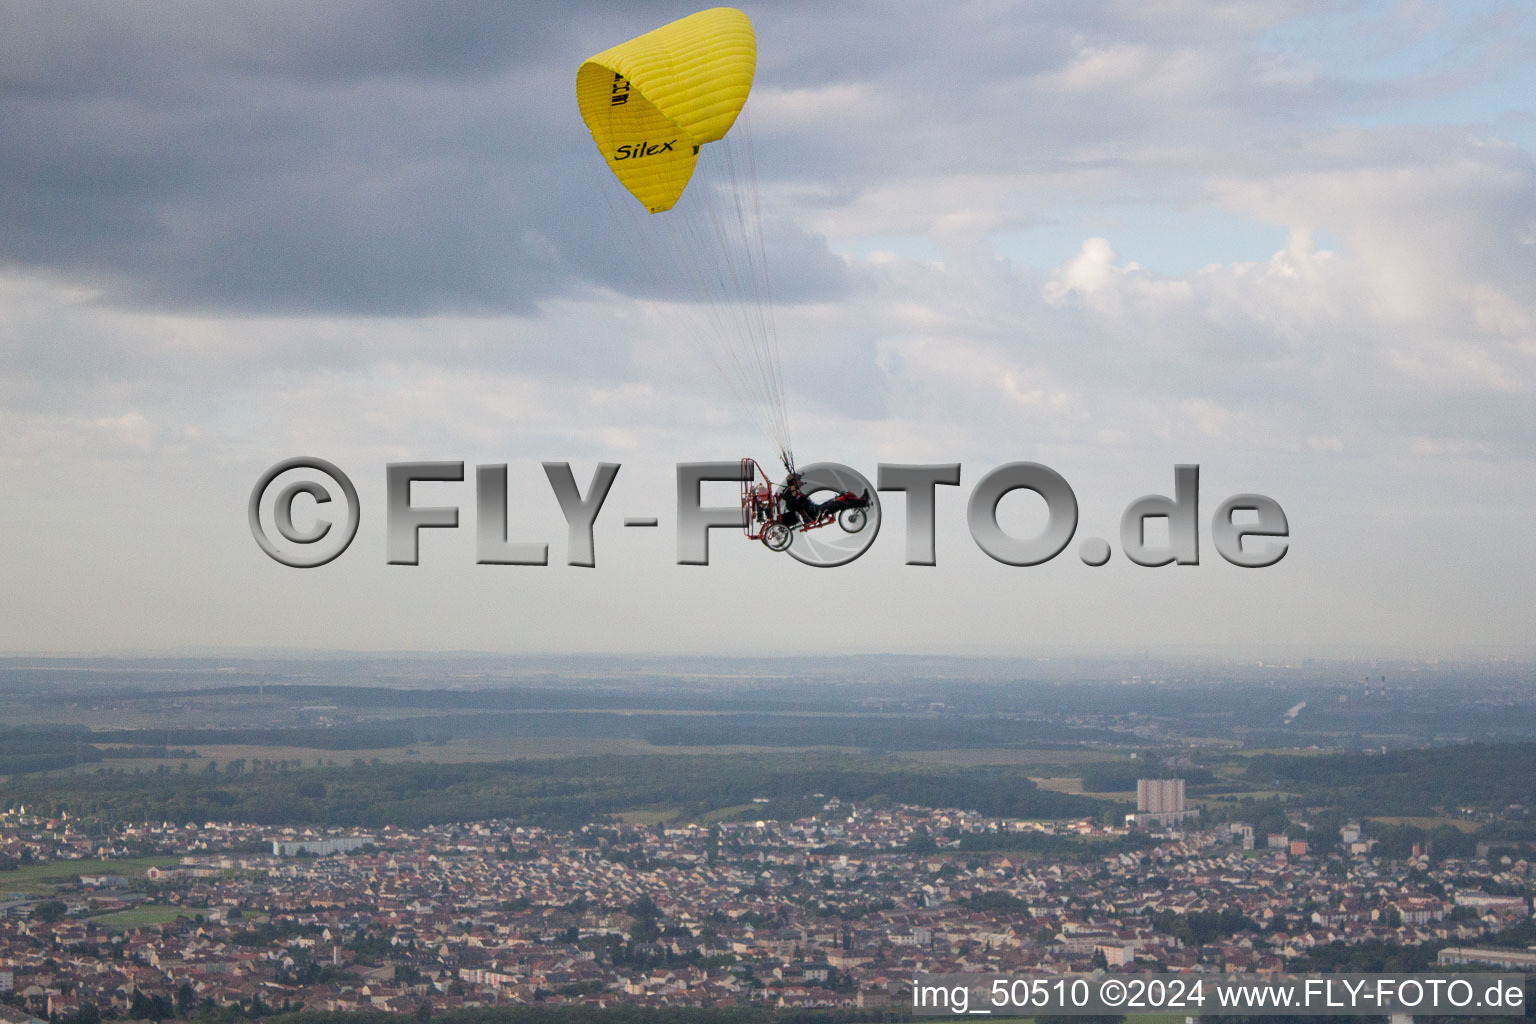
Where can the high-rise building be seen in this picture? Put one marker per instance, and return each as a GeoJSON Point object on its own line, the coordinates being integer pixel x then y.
{"type": "Point", "coordinates": [1160, 796]}
{"type": "Point", "coordinates": [1160, 802]}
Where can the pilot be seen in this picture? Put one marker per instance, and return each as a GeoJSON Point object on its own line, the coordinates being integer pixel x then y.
{"type": "Point", "coordinates": [797, 507]}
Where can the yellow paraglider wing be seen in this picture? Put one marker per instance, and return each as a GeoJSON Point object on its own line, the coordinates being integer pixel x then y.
{"type": "Point", "coordinates": [651, 102]}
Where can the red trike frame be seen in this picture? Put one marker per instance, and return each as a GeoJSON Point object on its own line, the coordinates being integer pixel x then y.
{"type": "Point", "coordinates": [761, 503]}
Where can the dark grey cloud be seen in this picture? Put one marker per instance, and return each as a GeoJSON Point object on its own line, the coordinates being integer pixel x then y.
{"type": "Point", "coordinates": [376, 158]}
{"type": "Point", "coordinates": [166, 49]}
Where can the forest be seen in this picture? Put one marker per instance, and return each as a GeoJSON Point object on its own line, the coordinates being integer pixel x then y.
{"type": "Point", "coordinates": [1404, 782]}
{"type": "Point", "coordinates": [558, 792]}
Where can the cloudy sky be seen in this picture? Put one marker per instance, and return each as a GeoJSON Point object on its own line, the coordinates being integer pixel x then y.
{"type": "Point", "coordinates": [1292, 242]}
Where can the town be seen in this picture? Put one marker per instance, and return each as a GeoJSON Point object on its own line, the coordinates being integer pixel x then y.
{"type": "Point", "coordinates": [838, 909]}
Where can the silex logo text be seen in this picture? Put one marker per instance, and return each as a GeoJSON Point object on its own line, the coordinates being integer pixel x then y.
{"type": "Point", "coordinates": [639, 149]}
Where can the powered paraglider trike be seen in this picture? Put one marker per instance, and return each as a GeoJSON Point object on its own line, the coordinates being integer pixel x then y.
{"type": "Point", "coordinates": [768, 517]}
{"type": "Point", "coordinates": [660, 107]}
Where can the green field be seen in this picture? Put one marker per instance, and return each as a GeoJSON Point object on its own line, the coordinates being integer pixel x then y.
{"type": "Point", "coordinates": [48, 876]}
{"type": "Point", "coordinates": [1060, 783]}
{"type": "Point", "coordinates": [140, 917]}
{"type": "Point", "coordinates": [646, 816]}
{"type": "Point", "coordinates": [661, 815]}
{"type": "Point", "coordinates": [1430, 822]}
{"type": "Point", "coordinates": [456, 751]}
{"type": "Point", "coordinates": [722, 813]}
{"type": "Point", "coordinates": [1232, 799]}
{"type": "Point", "coordinates": [1029, 757]}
